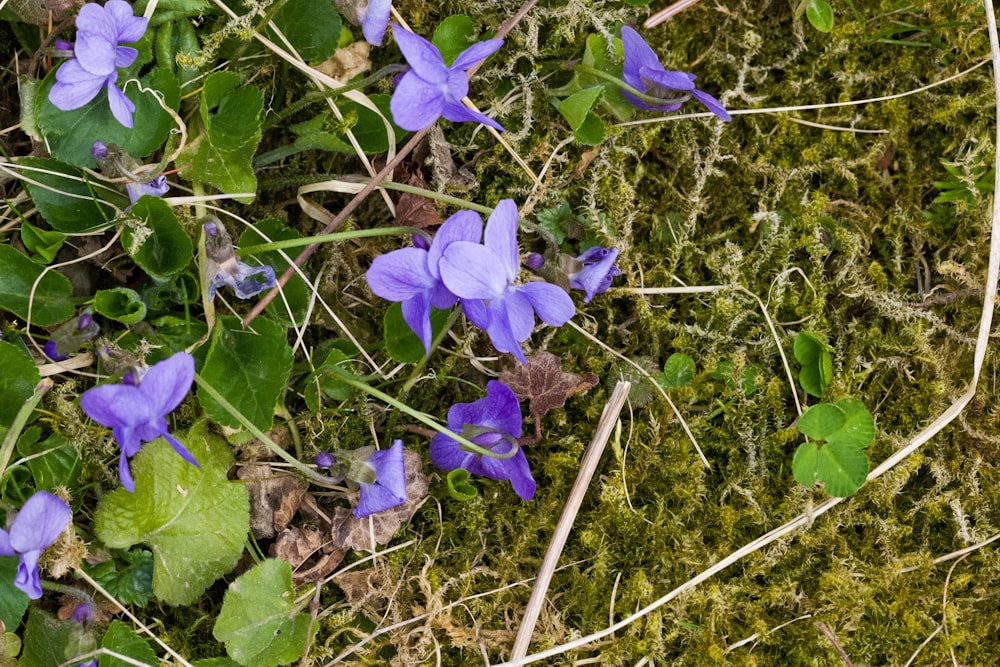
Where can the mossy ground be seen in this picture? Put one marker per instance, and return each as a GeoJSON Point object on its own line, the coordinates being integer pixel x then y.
{"type": "Point", "coordinates": [827, 227]}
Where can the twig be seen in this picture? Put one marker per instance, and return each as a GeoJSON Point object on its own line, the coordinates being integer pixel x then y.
{"type": "Point", "coordinates": [588, 466]}
{"type": "Point", "coordinates": [836, 644]}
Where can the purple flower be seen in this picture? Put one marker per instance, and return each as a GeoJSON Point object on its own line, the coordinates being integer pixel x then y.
{"type": "Point", "coordinates": [594, 277]}
{"type": "Point", "coordinates": [136, 413]}
{"type": "Point", "coordinates": [35, 527]}
{"type": "Point", "coordinates": [156, 188]}
{"type": "Point", "coordinates": [71, 336]}
{"type": "Point", "coordinates": [374, 20]}
{"type": "Point", "coordinates": [483, 276]}
{"type": "Point", "coordinates": [430, 89]}
{"type": "Point", "coordinates": [389, 487]}
{"type": "Point", "coordinates": [325, 460]}
{"type": "Point", "coordinates": [493, 422]}
{"type": "Point", "coordinates": [97, 57]}
{"type": "Point", "coordinates": [644, 72]}
{"type": "Point", "coordinates": [222, 267]}
{"type": "Point", "coordinates": [411, 275]}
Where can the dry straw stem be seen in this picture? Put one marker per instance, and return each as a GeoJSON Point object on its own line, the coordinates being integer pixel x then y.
{"type": "Point", "coordinates": [612, 409]}
{"type": "Point", "coordinates": [919, 439]}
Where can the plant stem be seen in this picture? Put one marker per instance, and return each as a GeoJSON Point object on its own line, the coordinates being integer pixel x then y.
{"type": "Point", "coordinates": [328, 238]}
{"type": "Point", "coordinates": [634, 92]}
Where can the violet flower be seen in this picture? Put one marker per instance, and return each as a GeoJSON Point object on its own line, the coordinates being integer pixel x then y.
{"type": "Point", "coordinates": [374, 20]}
{"type": "Point", "coordinates": [483, 276]}
{"type": "Point", "coordinates": [156, 188]}
{"type": "Point", "coordinates": [97, 57]}
{"type": "Point", "coordinates": [493, 422]}
{"type": "Point", "coordinates": [430, 89]}
{"type": "Point", "coordinates": [136, 413]}
{"type": "Point", "coordinates": [389, 487]}
{"type": "Point", "coordinates": [598, 268]}
{"type": "Point", "coordinates": [643, 71]}
{"type": "Point", "coordinates": [222, 267]}
{"type": "Point", "coordinates": [41, 519]}
{"type": "Point", "coordinates": [411, 275]}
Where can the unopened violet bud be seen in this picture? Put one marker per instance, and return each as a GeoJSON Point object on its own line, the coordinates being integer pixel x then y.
{"type": "Point", "coordinates": [86, 320]}
{"type": "Point", "coordinates": [324, 460]}
{"type": "Point", "coordinates": [534, 261]}
{"type": "Point", "coordinates": [85, 612]}
{"type": "Point", "coordinates": [50, 351]}
{"type": "Point", "coordinates": [420, 241]}
{"type": "Point", "coordinates": [99, 150]}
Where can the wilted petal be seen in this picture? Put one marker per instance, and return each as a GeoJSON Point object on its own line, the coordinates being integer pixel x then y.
{"type": "Point", "coordinates": [155, 188]}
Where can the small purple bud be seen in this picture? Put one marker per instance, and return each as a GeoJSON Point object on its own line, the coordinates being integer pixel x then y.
{"type": "Point", "coordinates": [534, 261]}
{"type": "Point", "coordinates": [129, 379]}
{"type": "Point", "coordinates": [85, 320]}
{"type": "Point", "coordinates": [84, 613]}
{"type": "Point", "coordinates": [420, 241]}
{"type": "Point", "coordinates": [211, 229]}
{"type": "Point", "coordinates": [99, 150]}
{"type": "Point", "coordinates": [324, 460]}
{"type": "Point", "coordinates": [63, 45]}
{"type": "Point", "coordinates": [50, 351]}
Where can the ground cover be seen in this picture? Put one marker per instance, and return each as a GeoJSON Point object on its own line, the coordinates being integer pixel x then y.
{"type": "Point", "coordinates": [365, 460]}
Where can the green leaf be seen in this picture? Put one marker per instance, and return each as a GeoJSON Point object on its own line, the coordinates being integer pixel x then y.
{"type": "Point", "coordinates": [369, 128]}
{"type": "Point", "coordinates": [71, 134]}
{"type": "Point", "coordinates": [229, 171]}
{"type": "Point", "coordinates": [231, 111]}
{"type": "Point", "coordinates": [120, 304]}
{"type": "Point", "coordinates": [131, 582]}
{"type": "Point", "coordinates": [591, 132]}
{"type": "Point", "coordinates": [41, 243]}
{"type": "Point", "coordinates": [258, 622]}
{"type": "Point", "coordinates": [817, 364]}
{"type": "Point", "coordinates": [155, 239]}
{"type": "Point", "coordinates": [19, 377]}
{"type": "Point", "coordinates": [312, 27]}
{"type": "Point", "coordinates": [53, 462]}
{"type": "Point", "coordinates": [400, 341]}
{"type": "Point", "coordinates": [820, 421]}
{"type": "Point", "coordinates": [846, 421]}
{"type": "Point", "coordinates": [453, 35]}
{"type": "Point", "coordinates": [595, 54]}
{"type": "Point", "coordinates": [193, 519]}
{"type": "Point", "coordinates": [459, 486]}
{"type": "Point", "coordinates": [66, 197]}
{"type": "Point", "coordinates": [295, 292]}
{"type": "Point", "coordinates": [249, 367]}
{"type": "Point", "coordinates": [216, 662]}
{"type": "Point", "coordinates": [820, 15]}
{"type": "Point", "coordinates": [49, 641]}
{"type": "Point", "coordinates": [842, 467]}
{"type": "Point", "coordinates": [325, 383]}
{"type": "Point", "coordinates": [121, 639]}
{"type": "Point", "coordinates": [677, 371]}
{"type": "Point", "coordinates": [576, 107]}
{"type": "Point", "coordinates": [13, 601]}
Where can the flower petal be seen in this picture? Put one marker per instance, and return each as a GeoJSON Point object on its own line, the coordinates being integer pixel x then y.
{"type": "Point", "coordinates": [423, 57]}
{"type": "Point", "coordinates": [166, 383]}
{"type": "Point", "coordinates": [125, 56]}
{"type": "Point", "coordinates": [5, 548]}
{"type": "Point", "coordinates": [461, 226]}
{"type": "Point", "coordinates": [472, 271]}
{"type": "Point", "coordinates": [74, 86]}
{"type": "Point", "coordinates": [124, 474]}
{"type": "Point", "coordinates": [501, 333]}
{"type": "Point", "coordinates": [128, 27]}
{"type": "Point", "coordinates": [389, 488]}
{"type": "Point", "coordinates": [457, 112]}
{"type": "Point", "coordinates": [39, 522]}
{"type": "Point", "coordinates": [476, 53]}
{"type": "Point", "coordinates": [712, 104]}
{"type": "Point", "coordinates": [375, 21]}
{"type": "Point", "coordinates": [447, 455]}
{"type": "Point", "coordinates": [116, 405]}
{"type": "Point", "coordinates": [400, 275]}
{"type": "Point", "coordinates": [501, 236]}
{"type": "Point", "coordinates": [417, 314]}
{"type": "Point", "coordinates": [180, 449]}
{"type": "Point", "coordinates": [519, 312]}
{"type": "Point", "coordinates": [501, 409]}
{"type": "Point", "coordinates": [637, 54]}
{"type": "Point", "coordinates": [122, 107]}
{"type": "Point", "coordinates": [552, 304]}
{"type": "Point", "coordinates": [668, 79]}
{"type": "Point", "coordinates": [415, 104]}
{"type": "Point", "coordinates": [27, 578]}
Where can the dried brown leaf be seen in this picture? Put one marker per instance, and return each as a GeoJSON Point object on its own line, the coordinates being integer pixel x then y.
{"type": "Point", "coordinates": [543, 381]}
{"type": "Point", "coordinates": [274, 498]}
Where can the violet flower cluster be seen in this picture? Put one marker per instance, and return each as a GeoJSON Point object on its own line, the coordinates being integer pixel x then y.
{"type": "Point", "coordinates": [97, 55]}
{"type": "Point", "coordinates": [482, 276]}
{"type": "Point", "coordinates": [431, 89]}
{"type": "Point", "coordinates": [37, 525]}
{"type": "Point", "coordinates": [136, 410]}
{"type": "Point", "coordinates": [494, 423]}
{"type": "Point", "coordinates": [644, 72]}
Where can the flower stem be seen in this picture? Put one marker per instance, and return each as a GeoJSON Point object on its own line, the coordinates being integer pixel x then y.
{"type": "Point", "coordinates": [420, 416]}
{"type": "Point", "coordinates": [634, 92]}
{"type": "Point", "coordinates": [329, 238]}
{"type": "Point", "coordinates": [312, 475]}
